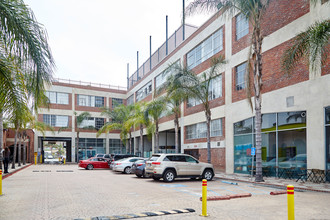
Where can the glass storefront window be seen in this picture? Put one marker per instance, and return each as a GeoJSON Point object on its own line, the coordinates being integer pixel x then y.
{"type": "Point", "coordinates": [327, 136]}
{"type": "Point", "coordinates": [89, 147]}
{"type": "Point", "coordinates": [291, 120]}
{"type": "Point", "coordinates": [244, 127]}
{"type": "Point", "coordinates": [242, 153]}
{"type": "Point", "coordinates": [116, 147]}
{"type": "Point", "coordinates": [268, 122]}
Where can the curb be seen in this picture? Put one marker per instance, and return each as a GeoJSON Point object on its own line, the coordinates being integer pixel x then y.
{"type": "Point", "coordinates": [11, 173]}
{"type": "Point", "coordinates": [274, 185]}
{"type": "Point", "coordinates": [227, 197]}
{"type": "Point", "coordinates": [139, 215]}
{"type": "Point", "coordinates": [274, 193]}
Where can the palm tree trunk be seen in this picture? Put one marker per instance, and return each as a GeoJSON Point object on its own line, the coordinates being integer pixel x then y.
{"type": "Point", "coordinates": [15, 150]}
{"type": "Point", "coordinates": [130, 141]}
{"type": "Point", "coordinates": [1, 138]}
{"type": "Point", "coordinates": [24, 150]}
{"type": "Point", "coordinates": [19, 148]}
{"type": "Point", "coordinates": [208, 126]}
{"type": "Point", "coordinates": [257, 43]}
{"type": "Point", "coordinates": [157, 137]}
{"type": "Point", "coordinates": [176, 128]}
{"type": "Point", "coordinates": [141, 140]}
{"type": "Point", "coordinates": [77, 147]}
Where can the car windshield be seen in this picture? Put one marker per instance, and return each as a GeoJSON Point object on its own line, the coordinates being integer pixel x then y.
{"type": "Point", "coordinates": [140, 161]}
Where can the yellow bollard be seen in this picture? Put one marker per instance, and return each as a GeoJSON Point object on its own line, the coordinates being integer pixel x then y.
{"type": "Point", "coordinates": [204, 198]}
{"type": "Point", "coordinates": [64, 161]}
{"type": "Point", "coordinates": [0, 182]}
{"type": "Point", "coordinates": [35, 160]}
{"type": "Point", "coordinates": [290, 192]}
{"type": "Point", "coordinates": [40, 159]}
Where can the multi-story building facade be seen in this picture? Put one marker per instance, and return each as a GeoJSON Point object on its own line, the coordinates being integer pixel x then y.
{"type": "Point", "coordinates": [295, 108]}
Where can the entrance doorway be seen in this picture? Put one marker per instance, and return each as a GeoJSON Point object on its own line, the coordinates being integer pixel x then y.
{"type": "Point", "coordinates": [54, 150]}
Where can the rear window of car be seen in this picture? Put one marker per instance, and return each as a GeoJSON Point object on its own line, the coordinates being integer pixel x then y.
{"type": "Point", "coordinates": [175, 158]}
{"type": "Point", "coordinates": [99, 155]}
{"type": "Point", "coordinates": [107, 156]}
{"type": "Point", "coordinates": [154, 158]}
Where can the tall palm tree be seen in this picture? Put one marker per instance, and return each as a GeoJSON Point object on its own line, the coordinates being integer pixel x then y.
{"type": "Point", "coordinates": [198, 87]}
{"type": "Point", "coordinates": [253, 10]}
{"type": "Point", "coordinates": [78, 126]}
{"type": "Point", "coordinates": [153, 113]}
{"type": "Point", "coordinates": [139, 120]}
{"type": "Point", "coordinates": [21, 36]}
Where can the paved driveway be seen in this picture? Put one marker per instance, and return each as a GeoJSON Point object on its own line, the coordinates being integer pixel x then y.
{"type": "Point", "coordinates": [68, 192]}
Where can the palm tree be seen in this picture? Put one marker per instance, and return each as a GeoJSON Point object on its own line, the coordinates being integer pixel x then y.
{"type": "Point", "coordinates": [78, 126]}
{"type": "Point", "coordinates": [152, 114]}
{"type": "Point", "coordinates": [22, 37]}
{"type": "Point", "coordinates": [198, 87]}
{"type": "Point", "coordinates": [119, 120]}
{"type": "Point", "coordinates": [139, 120]}
{"type": "Point", "coordinates": [311, 44]}
{"type": "Point", "coordinates": [253, 10]}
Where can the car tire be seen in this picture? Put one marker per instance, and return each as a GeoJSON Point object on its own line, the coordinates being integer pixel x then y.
{"type": "Point", "coordinates": [169, 176]}
{"type": "Point", "coordinates": [127, 170]}
{"type": "Point", "coordinates": [156, 178]}
{"type": "Point", "coordinates": [145, 175]}
{"type": "Point", "coordinates": [90, 167]}
{"type": "Point", "coordinates": [208, 174]}
{"type": "Point", "coordinates": [138, 175]}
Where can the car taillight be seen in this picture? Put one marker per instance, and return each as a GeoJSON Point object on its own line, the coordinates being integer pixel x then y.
{"type": "Point", "coordinates": [139, 164]}
{"type": "Point", "coordinates": [118, 163]}
{"type": "Point", "coordinates": [155, 163]}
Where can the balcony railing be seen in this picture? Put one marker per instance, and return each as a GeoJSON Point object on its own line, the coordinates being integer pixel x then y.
{"type": "Point", "coordinates": [82, 83]}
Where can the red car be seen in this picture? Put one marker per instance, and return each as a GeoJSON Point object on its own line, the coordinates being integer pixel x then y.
{"type": "Point", "coordinates": [94, 162]}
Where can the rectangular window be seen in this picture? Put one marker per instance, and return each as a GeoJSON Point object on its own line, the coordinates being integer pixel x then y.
{"type": "Point", "coordinates": [206, 49]}
{"type": "Point", "coordinates": [130, 100]}
{"type": "Point", "coordinates": [91, 122]}
{"type": "Point", "coordinates": [56, 120]}
{"type": "Point", "coordinates": [162, 77]}
{"type": "Point", "coordinates": [199, 130]}
{"type": "Point", "coordinates": [242, 26]}
{"type": "Point", "coordinates": [144, 92]}
{"type": "Point", "coordinates": [240, 76]}
{"type": "Point", "coordinates": [99, 122]}
{"type": "Point", "coordinates": [58, 97]}
{"type": "Point", "coordinates": [116, 102]}
{"type": "Point", "coordinates": [90, 101]}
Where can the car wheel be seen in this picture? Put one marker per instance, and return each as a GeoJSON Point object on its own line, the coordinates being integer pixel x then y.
{"type": "Point", "coordinates": [138, 175]}
{"type": "Point", "coordinates": [145, 175]}
{"type": "Point", "coordinates": [169, 176]}
{"type": "Point", "coordinates": [90, 167]}
{"type": "Point", "coordinates": [208, 175]}
{"type": "Point", "coordinates": [156, 178]}
{"type": "Point", "coordinates": [127, 170]}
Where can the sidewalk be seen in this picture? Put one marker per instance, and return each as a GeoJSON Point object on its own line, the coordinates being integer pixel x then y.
{"type": "Point", "coordinates": [276, 182]}
{"type": "Point", "coordinates": [12, 171]}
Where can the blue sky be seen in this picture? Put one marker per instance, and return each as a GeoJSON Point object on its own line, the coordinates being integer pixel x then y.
{"type": "Point", "coordinates": [93, 40]}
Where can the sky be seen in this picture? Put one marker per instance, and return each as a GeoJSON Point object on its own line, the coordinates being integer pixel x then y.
{"type": "Point", "coordinates": [93, 40]}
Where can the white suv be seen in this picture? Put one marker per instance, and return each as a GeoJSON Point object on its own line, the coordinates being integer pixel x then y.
{"type": "Point", "coordinates": [171, 166]}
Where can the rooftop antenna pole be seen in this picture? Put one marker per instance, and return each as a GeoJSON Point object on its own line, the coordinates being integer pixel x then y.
{"type": "Point", "coordinates": [166, 35]}
{"type": "Point", "coordinates": [150, 52]}
{"type": "Point", "coordinates": [127, 76]}
{"type": "Point", "coordinates": [183, 20]}
{"type": "Point", "coordinates": [137, 66]}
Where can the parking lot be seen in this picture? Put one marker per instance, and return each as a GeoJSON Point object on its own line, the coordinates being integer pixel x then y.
{"type": "Point", "coordinates": [69, 192]}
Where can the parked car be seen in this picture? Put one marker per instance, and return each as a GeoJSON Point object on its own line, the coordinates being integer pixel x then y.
{"type": "Point", "coordinates": [138, 168]}
{"type": "Point", "coordinates": [116, 157]}
{"type": "Point", "coordinates": [105, 156]}
{"type": "Point", "coordinates": [171, 166]}
{"type": "Point", "coordinates": [125, 165]}
{"type": "Point", "coordinates": [94, 162]}
{"type": "Point", "coordinates": [298, 161]}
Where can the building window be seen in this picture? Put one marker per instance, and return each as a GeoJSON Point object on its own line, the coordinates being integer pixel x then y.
{"type": "Point", "coordinates": [89, 147]}
{"type": "Point", "coordinates": [90, 101]}
{"type": "Point", "coordinates": [242, 26]}
{"type": "Point", "coordinates": [130, 100]}
{"type": "Point", "coordinates": [240, 76]}
{"type": "Point", "coordinates": [116, 147]}
{"type": "Point", "coordinates": [206, 49]}
{"type": "Point", "coordinates": [327, 137]}
{"type": "Point", "coordinates": [283, 142]}
{"type": "Point", "coordinates": [144, 92]}
{"type": "Point", "coordinates": [58, 97]}
{"type": "Point", "coordinates": [56, 120]}
{"type": "Point", "coordinates": [199, 130]}
{"type": "Point", "coordinates": [91, 122]}
{"type": "Point", "coordinates": [215, 91]}
{"type": "Point", "coordinates": [116, 102]}
{"type": "Point", "coordinates": [162, 77]}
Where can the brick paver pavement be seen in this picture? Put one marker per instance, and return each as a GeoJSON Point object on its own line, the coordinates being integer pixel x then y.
{"type": "Point", "coordinates": [66, 192]}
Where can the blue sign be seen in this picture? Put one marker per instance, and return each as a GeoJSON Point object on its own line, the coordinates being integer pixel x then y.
{"type": "Point", "coordinates": [253, 151]}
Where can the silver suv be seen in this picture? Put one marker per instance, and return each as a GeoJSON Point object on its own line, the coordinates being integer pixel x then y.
{"type": "Point", "coordinates": [171, 166]}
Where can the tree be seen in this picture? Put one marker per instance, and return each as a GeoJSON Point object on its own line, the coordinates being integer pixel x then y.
{"type": "Point", "coordinates": [253, 11]}
{"type": "Point", "coordinates": [26, 63]}
{"type": "Point", "coordinates": [118, 120]}
{"type": "Point", "coordinates": [152, 114]}
{"type": "Point", "coordinates": [311, 44]}
{"type": "Point", "coordinates": [199, 87]}
{"type": "Point", "coordinates": [175, 96]}
{"type": "Point", "coordinates": [79, 126]}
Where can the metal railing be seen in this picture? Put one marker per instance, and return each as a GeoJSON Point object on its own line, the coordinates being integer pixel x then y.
{"type": "Point", "coordinates": [82, 83]}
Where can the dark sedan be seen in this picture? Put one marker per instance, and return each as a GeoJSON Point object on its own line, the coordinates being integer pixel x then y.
{"type": "Point", "coordinates": [138, 168]}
